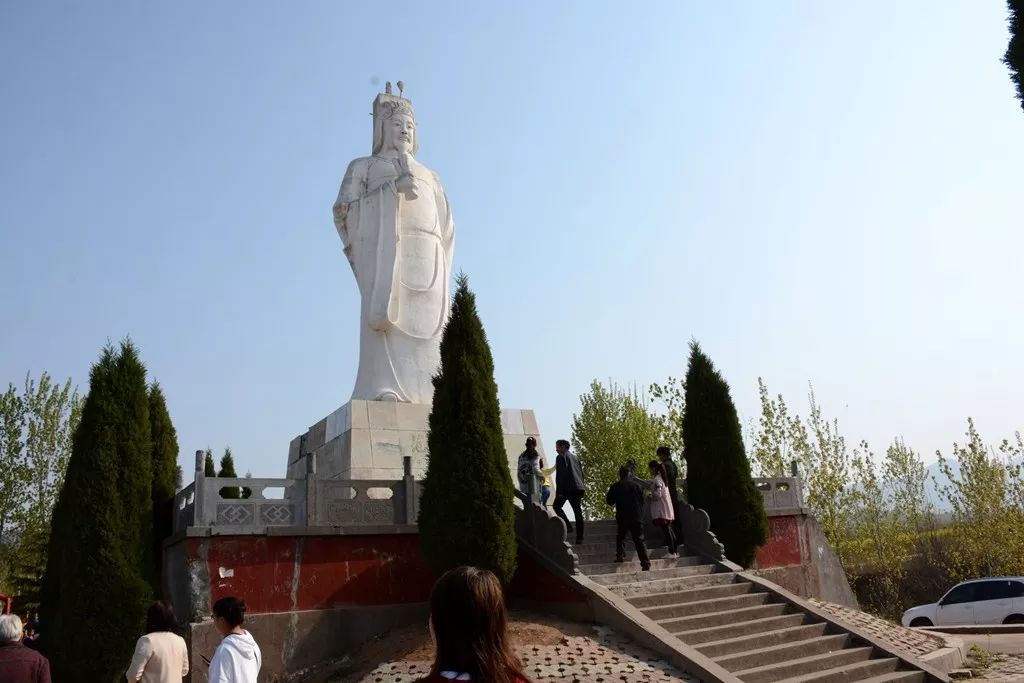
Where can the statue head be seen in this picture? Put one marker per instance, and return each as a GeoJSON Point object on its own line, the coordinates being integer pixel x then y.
{"type": "Point", "coordinates": [394, 125]}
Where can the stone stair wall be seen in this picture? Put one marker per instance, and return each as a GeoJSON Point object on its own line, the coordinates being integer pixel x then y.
{"type": "Point", "coordinates": [720, 623]}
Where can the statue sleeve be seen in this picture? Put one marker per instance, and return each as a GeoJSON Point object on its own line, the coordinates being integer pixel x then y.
{"type": "Point", "coordinates": [346, 208]}
{"type": "Point", "coordinates": [447, 238]}
{"type": "Point", "coordinates": [447, 224]}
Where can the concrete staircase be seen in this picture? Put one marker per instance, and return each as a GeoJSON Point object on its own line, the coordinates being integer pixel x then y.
{"type": "Point", "coordinates": [755, 634]}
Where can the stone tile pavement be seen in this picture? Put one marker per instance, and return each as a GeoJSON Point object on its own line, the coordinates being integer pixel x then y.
{"type": "Point", "coordinates": [1005, 668]}
{"type": "Point", "coordinates": [604, 657]}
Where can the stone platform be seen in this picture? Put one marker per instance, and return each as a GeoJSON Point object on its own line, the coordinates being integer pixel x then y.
{"type": "Point", "coordinates": [368, 439]}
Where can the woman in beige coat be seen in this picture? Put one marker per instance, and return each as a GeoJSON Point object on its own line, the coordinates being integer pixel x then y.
{"type": "Point", "coordinates": [662, 510]}
{"type": "Point", "coordinates": [160, 655]}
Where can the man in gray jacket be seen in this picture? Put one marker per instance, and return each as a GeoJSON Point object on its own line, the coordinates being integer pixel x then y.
{"type": "Point", "coordinates": [569, 487]}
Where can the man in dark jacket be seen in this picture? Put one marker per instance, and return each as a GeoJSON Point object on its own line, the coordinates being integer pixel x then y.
{"type": "Point", "coordinates": [18, 664]}
{"type": "Point", "coordinates": [628, 499]}
{"type": "Point", "coordinates": [569, 487]}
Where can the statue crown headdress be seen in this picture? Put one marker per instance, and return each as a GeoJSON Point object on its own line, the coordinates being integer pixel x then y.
{"type": "Point", "coordinates": [385, 106]}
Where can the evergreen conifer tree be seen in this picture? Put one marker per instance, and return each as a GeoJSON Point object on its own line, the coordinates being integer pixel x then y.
{"type": "Point", "coordinates": [1014, 57]}
{"type": "Point", "coordinates": [95, 588]}
{"type": "Point", "coordinates": [466, 511]}
{"type": "Point", "coordinates": [227, 470]}
{"type": "Point", "coordinates": [718, 472]}
{"type": "Point", "coordinates": [165, 471]}
{"type": "Point", "coordinates": [209, 468]}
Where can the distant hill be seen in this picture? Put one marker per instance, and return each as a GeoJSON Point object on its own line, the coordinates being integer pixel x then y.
{"type": "Point", "coordinates": [938, 480]}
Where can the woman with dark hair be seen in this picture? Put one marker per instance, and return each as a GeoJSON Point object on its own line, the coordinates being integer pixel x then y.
{"type": "Point", "coordinates": [469, 627]}
{"type": "Point", "coordinates": [238, 657]}
{"type": "Point", "coordinates": [662, 510]}
{"type": "Point", "coordinates": [161, 655]}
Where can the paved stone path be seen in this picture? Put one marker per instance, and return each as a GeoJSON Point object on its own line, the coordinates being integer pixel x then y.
{"type": "Point", "coordinates": [602, 658]}
{"type": "Point", "coordinates": [1004, 668]}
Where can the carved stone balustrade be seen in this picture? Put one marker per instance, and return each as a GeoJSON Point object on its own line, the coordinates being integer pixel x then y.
{"type": "Point", "coordinates": [308, 502]}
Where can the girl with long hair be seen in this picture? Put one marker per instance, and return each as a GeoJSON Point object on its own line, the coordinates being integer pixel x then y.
{"type": "Point", "coordinates": [469, 627]}
{"type": "Point", "coordinates": [662, 510]}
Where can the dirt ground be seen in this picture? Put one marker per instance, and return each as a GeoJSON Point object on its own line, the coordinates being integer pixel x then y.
{"type": "Point", "coordinates": [527, 630]}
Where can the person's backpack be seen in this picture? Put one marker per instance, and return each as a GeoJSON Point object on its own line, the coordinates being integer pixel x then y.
{"type": "Point", "coordinates": [525, 470]}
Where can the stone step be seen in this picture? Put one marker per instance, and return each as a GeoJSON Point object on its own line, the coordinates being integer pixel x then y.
{"type": "Point", "coordinates": [634, 566]}
{"type": "Point", "coordinates": [629, 590]}
{"type": "Point", "coordinates": [897, 677]}
{"type": "Point", "coordinates": [607, 554]}
{"type": "Point", "coordinates": [869, 670]}
{"type": "Point", "coordinates": [655, 574]}
{"type": "Point", "coordinates": [695, 607]}
{"type": "Point", "coordinates": [773, 654]}
{"type": "Point", "coordinates": [746, 628]}
{"type": "Point", "coordinates": [793, 634]}
{"type": "Point", "coordinates": [733, 616]}
{"type": "Point", "coordinates": [691, 595]}
{"type": "Point", "coordinates": [814, 664]}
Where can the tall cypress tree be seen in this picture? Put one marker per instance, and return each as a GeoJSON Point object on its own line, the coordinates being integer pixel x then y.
{"type": "Point", "coordinates": [1014, 57]}
{"type": "Point", "coordinates": [209, 468]}
{"type": "Point", "coordinates": [227, 469]}
{"type": "Point", "coordinates": [96, 587]}
{"type": "Point", "coordinates": [466, 511]}
{"type": "Point", "coordinates": [718, 472]}
{"type": "Point", "coordinates": [165, 471]}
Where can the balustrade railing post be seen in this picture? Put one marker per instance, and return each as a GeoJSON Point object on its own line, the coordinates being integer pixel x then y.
{"type": "Point", "coordinates": [409, 484]}
{"type": "Point", "coordinates": [530, 510]}
{"type": "Point", "coordinates": [199, 509]}
{"type": "Point", "coordinates": [311, 482]}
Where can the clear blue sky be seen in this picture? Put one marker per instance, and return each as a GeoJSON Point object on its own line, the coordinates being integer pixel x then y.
{"type": "Point", "coordinates": [816, 191]}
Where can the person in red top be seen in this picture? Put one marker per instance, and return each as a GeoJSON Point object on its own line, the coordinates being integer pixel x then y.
{"type": "Point", "coordinates": [19, 664]}
{"type": "Point", "coordinates": [469, 627]}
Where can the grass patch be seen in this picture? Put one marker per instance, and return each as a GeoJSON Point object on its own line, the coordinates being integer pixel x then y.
{"type": "Point", "coordinates": [979, 661]}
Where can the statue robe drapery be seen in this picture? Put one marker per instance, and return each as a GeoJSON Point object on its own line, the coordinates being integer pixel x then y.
{"type": "Point", "coordinates": [400, 250]}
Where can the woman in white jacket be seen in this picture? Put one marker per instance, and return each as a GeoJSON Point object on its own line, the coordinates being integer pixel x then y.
{"type": "Point", "coordinates": [238, 658]}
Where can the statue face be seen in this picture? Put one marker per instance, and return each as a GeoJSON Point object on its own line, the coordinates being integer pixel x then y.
{"type": "Point", "coordinates": [399, 132]}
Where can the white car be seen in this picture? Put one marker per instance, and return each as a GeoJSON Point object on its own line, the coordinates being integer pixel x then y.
{"type": "Point", "coordinates": [979, 601]}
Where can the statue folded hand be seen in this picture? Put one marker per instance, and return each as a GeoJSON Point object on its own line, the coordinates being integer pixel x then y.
{"type": "Point", "coordinates": [407, 185]}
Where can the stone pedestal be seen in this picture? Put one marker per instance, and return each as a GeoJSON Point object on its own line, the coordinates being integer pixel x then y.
{"type": "Point", "coordinates": [368, 439]}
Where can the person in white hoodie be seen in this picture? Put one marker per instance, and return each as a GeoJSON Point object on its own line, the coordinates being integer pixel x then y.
{"type": "Point", "coordinates": [238, 658]}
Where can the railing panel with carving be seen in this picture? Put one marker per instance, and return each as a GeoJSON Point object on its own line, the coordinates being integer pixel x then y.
{"type": "Point", "coordinates": [344, 502]}
{"type": "Point", "coordinates": [780, 493]}
{"type": "Point", "coordinates": [184, 508]}
{"type": "Point", "coordinates": [256, 509]}
{"type": "Point", "coordinates": [308, 502]}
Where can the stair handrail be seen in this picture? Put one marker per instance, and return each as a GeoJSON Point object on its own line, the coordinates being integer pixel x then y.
{"type": "Point", "coordinates": [544, 531]}
{"type": "Point", "coordinates": [697, 534]}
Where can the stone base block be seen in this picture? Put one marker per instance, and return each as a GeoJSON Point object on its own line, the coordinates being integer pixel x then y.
{"type": "Point", "coordinates": [369, 439]}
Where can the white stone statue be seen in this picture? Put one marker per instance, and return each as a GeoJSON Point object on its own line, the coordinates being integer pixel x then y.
{"type": "Point", "coordinates": [395, 223]}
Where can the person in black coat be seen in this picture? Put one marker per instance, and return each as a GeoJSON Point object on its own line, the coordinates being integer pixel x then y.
{"type": "Point", "coordinates": [569, 487]}
{"type": "Point", "coordinates": [628, 499]}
